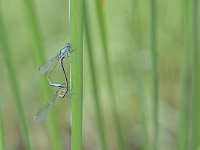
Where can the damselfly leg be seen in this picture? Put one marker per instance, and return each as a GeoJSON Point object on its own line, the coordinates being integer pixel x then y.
{"type": "Point", "coordinates": [48, 78]}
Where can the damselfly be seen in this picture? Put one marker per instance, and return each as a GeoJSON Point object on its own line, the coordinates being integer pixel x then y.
{"type": "Point", "coordinates": [53, 62]}
{"type": "Point", "coordinates": [63, 52]}
{"type": "Point", "coordinates": [61, 92]}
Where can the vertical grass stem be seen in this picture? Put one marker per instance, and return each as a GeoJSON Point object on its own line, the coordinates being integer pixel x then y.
{"type": "Point", "coordinates": [76, 33]}
{"type": "Point", "coordinates": [153, 41]}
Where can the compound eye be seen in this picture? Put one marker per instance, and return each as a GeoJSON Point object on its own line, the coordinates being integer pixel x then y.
{"type": "Point", "coordinates": [68, 45]}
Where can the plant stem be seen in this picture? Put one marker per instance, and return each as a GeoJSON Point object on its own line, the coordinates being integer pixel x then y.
{"type": "Point", "coordinates": [140, 76]}
{"type": "Point", "coordinates": [195, 79]}
{"type": "Point", "coordinates": [14, 85]}
{"type": "Point", "coordinates": [153, 39]}
{"type": "Point", "coordinates": [182, 108]}
{"type": "Point", "coordinates": [98, 109]}
{"type": "Point", "coordinates": [2, 142]}
{"type": "Point", "coordinates": [113, 104]}
{"type": "Point", "coordinates": [37, 48]}
{"type": "Point", "coordinates": [76, 32]}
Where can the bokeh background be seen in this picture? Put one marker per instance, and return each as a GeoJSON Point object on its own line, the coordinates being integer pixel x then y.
{"type": "Point", "coordinates": [34, 31]}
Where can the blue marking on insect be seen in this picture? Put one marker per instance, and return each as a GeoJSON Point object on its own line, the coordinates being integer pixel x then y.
{"type": "Point", "coordinates": [65, 50]}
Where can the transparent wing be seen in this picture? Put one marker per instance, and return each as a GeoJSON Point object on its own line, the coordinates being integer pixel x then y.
{"type": "Point", "coordinates": [48, 65]}
{"type": "Point", "coordinates": [45, 109]}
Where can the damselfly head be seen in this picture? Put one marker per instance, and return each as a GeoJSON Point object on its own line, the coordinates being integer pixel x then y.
{"type": "Point", "coordinates": [62, 92]}
{"type": "Point", "coordinates": [68, 45]}
{"type": "Point", "coordinates": [66, 49]}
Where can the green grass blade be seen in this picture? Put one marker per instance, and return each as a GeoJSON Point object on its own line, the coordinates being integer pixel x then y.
{"type": "Point", "coordinates": [12, 76]}
{"type": "Point", "coordinates": [76, 32]}
{"type": "Point", "coordinates": [153, 41]}
{"type": "Point", "coordinates": [195, 79]}
{"type": "Point", "coordinates": [97, 105]}
{"type": "Point", "coordinates": [2, 143]}
{"type": "Point", "coordinates": [182, 103]}
{"type": "Point", "coordinates": [102, 26]}
{"type": "Point", "coordinates": [37, 48]}
{"type": "Point", "coordinates": [140, 76]}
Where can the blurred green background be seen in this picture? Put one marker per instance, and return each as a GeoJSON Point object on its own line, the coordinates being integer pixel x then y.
{"type": "Point", "coordinates": [32, 35]}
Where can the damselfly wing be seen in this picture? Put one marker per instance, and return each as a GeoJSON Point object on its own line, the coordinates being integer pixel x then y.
{"type": "Point", "coordinates": [42, 113]}
{"type": "Point", "coordinates": [55, 59]}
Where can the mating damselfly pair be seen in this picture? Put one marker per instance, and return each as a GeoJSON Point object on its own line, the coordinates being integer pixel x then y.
{"type": "Point", "coordinates": [63, 88]}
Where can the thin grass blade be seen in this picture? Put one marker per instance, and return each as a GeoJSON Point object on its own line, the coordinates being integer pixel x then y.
{"type": "Point", "coordinates": [76, 33]}
{"type": "Point", "coordinates": [2, 142]}
{"type": "Point", "coordinates": [12, 77]}
{"type": "Point", "coordinates": [101, 19]}
{"type": "Point", "coordinates": [97, 104]}
{"type": "Point", "coordinates": [195, 79]}
{"type": "Point", "coordinates": [153, 41]}
{"type": "Point", "coordinates": [183, 138]}
{"type": "Point", "coordinates": [37, 48]}
{"type": "Point", "coordinates": [140, 77]}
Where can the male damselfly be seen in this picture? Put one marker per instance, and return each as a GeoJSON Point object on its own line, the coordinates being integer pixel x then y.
{"type": "Point", "coordinates": [53, 62]}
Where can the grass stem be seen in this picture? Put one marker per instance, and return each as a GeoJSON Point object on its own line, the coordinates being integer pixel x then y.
{"type": "Point", "coordinates": [140, 62]}
{"type": "Point", "coordinates": [182, 103]}
{"type": "Point", "coordinates": [37, 48]}
{"type": "Point", "coordinates": [153, 41]}
{"type": "Point", "coordinates": [12, 77]}
{"type": "Point", "coordinates": [2, 142]}
{"type": "Point", "coordinates": [98, 109]}
{"type": "Point", "coordinates": [101, 19]}
{"type": "Point", "coordinates": [76, 32]}
{"type": "Point", "coordinates": [195, 79]}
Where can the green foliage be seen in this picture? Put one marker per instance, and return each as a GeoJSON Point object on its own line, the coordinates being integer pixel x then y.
{"type": "Point", "coordinates": [142, 64]}
{"type": "Point", "coordinates": [103, 33]}
{"type": "Point", "coordinates": [37, 48]}
{"type": "Point", "coordinates": [97, 104]}
{"type": "Point", "coordinates": [14, 85]}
